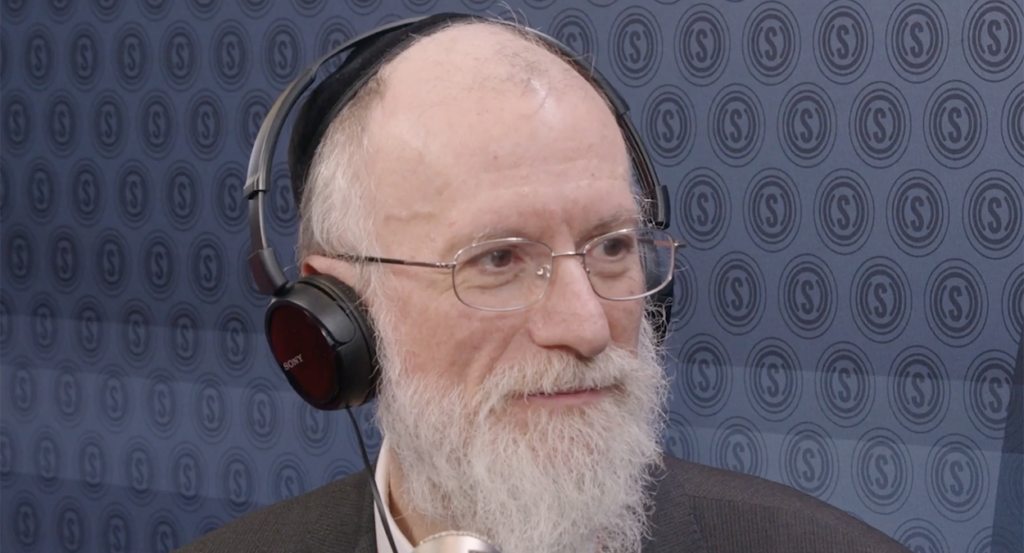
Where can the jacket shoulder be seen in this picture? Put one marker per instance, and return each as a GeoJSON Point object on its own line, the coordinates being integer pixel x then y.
{"type": "Point", "coordinates": [333, 517]}
{"type": "Point", "coordinates": [736, 512]}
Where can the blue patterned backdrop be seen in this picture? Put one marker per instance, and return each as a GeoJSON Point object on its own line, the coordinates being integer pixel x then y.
{"type": "Point", "coordinates": [847, 173]}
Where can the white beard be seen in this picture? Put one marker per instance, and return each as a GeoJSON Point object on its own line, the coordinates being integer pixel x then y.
{"type": "Point", "coordinates": [542, 480]}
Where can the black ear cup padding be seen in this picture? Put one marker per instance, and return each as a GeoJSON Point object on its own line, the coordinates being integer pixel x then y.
{"type": "Point", "coordinates": [323, 340]}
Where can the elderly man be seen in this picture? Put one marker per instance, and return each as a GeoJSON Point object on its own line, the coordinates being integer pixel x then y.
{"type": "Point", "coordinates": [528, 413]}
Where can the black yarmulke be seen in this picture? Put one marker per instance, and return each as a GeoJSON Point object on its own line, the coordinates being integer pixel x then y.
{"type": "Point", "coordinates": [330, 96]}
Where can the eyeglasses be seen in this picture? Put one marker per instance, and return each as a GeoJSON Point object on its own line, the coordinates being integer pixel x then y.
{"type": "Point", "coordinates": [513, 273]}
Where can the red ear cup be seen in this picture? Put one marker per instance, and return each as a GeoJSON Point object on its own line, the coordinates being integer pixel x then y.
{"type": "Point", "coordinates": [322, 339]}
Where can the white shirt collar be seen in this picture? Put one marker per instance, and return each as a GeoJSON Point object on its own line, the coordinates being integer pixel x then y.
{"type": "Point", "coordinates": [381, 477]}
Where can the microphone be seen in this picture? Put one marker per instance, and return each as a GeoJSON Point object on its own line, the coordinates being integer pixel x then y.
{"type": "Point", "coordinates": [455, 542]}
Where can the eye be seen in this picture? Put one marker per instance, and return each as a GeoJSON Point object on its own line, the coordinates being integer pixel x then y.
{"type": "Point", "coordinates": [496, 259]}
{"type": "Point", "coordinates": [614, 247]}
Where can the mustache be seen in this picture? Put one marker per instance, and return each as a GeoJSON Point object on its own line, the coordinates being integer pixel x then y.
{"type": "Point", "coordinates": [559, 373]}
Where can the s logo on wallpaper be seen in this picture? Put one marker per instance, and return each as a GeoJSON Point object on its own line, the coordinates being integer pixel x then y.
{"type": "Point", "coordinates": [116, 530]}
{"type": "Point", "coordinates": [703, 208]}
{"type": "Point", "coordinates": [918, 213]}
{"type": "Point", "coordinates": [17, 122]}
{"type": "Point", "coordinates": [237, 481]}
{"type": "Point", "coordinates": [957, 478]}
{"type": "Point", "coordinates": [163, 533]}
{"type": "Point", "coordinates": [845, 384]}
{"type": "Point", "coordinates": [8, 457]}
{"type": "Point", "coordinates": [955, 124]}
{"type": "Point", "coordinates": [22, 390]}
{"type": "Point", "coordinates": [20, 256]}
{"type": "Point", "coordinates": [702, 45]}
{"type": "Point", "coordinates": [67, 393]}
{"type": "Point", "coordinates": [882, 471]}
{"type": "Point", "coordinates": [203, 9]}
{"type": "Point", "coordinates": [773, 379]}
{"type": "Point", "coordinates": [315, 429]}
{"type": "Point", "coordinates": [771, 43]}
{"type": "Point", "coordinates": [131, 62]}
{"type": "Point", "coordinates": [61, 10]}
{"type": "Point", "coordinates": [808, 296]}
{"type": "Point", "coordinates": [133, 194]}
{"type": "Point", "coordinates": [636, 46]}
{"type": "Point", "coordinates": [229, 205]}
{"type": "Point", "coordinates": [843, 211]}
{"type": "Point", "coordinates": [136, 334]}
{"type": "Point", "coordinates": [205, 125]}
{"type": "Point", "coordinates": [85, 56]}
{"type": "Point", "coordinates": [880, 299]}
{"type": "Point", "coordinates": [705, 376]}
{"type": "Point", "coordinates": [140, 470]}
{"type": "Point", "coordinates": [211, 411]}
{"type": "Point", "coordinates": [156, 124]}
{"type": "Point", "coordinates": [987, 390]}
{"type": "Point", "coordinates": [736, 125]}
{"type": "Point", "coordinates": [251, 113]}
{"type": "Point", "coordinates": [843, 41]}
{"type": "Point", "coordinates": [992, 38]}
{"type": "Point", "coordinates": [45, 321]}
{"type": "Point", "coordinates": [6, 324]}
{"type": "Point", "coordinates": [920, 535]}
{"type": "Point", "coordinates": [107, 10]}
{"type": "Point", "coordinates": [880, 124]}
{"type": "Point", "coordinates": [230, 59]}
{"type": "Point", "coordinates": [186, 476]}
{"type": "Point", "coordinates": [87, 194]}
{"type": "Point", "coordinates": [262, 414]}
{"type": "Point", "coordinates": [115, 399]}
{"type": "Point", "coordinates": [919, 389]}
{"type": "Point", "coordinates": [807, 125]}
{"type": "Point", "coordinates": [90, 328]}
{"type": "Point", "coordinates": [70, 525]}
{"type": "Point", "coordinates": [65, 262]}
{"type": "Point", "coordinates": [46, 460]}
{"type": "Point", "coordinates": [574, 29]}
{"type": "Point", "coordinates": [26, 520]}
{"type": "Point", "coordinates": [184, 338]}
{"type": "Point", "coordinates": [282, 54]}
{"type": "Point", "coordinates": [180, 55]}
{"type": "Point", "coordinates": [112, 266]}
{"type": "Point", "coordinates": [993, 213]}
{"type": "Point", "coordinates": [288, 478]}
{"type": "Point", "coordinates": [92, 466]}
{"type": "Point", "coordinates": [956, 302]}
{"type": "Point", "coordinates": [334, 32]}
{"type": "Point", "coordinates": [772, 208]}
{"type": "Point", "coordinates": [737, 445]}
{"type": "Point", "coordinates": [39, 57]}
{"type": "Point", "coordinates": [678, 439]}
{"type": "Point", "coordinates": [207, 269]}
{"type": "Point", "coordinates": [62, 123]}
{"type": "Point", "coordinates": [809, 460]}
{"type": "Point", "coordinates": [737, 293]}
{"type": "Point", "coordinates": [235, 343]}
{"type": "Point", "coordinates": [1013, 124]}
{"type": "Point", "coordinates": [917, 40]}
{"type": "Point", "coordinates": [181, 195]}
{"type": "Point", "coordinates": [41, 189]}
{"type": "Point", "coordinates": [669, 124]}
{"type": "Point", "coordinates": [162, 410]}
{"type": "Point", "coordinates": [159, 264]}
{"type": "Point", "coordinates": [284, 217]}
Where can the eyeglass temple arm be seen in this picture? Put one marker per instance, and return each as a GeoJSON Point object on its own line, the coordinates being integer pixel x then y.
{"type": "Point", "coordinates": [374, 259]}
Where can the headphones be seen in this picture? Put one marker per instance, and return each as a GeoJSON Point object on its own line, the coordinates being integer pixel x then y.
{"type": "Point", "coordinates": [317, 327]}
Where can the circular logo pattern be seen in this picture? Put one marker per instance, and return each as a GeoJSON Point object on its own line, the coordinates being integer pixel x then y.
{"type": "Point", "coordinates": [133, 194]}
{"type": "Point", "coordinates": [208, 267]}
{"type": "Point", "coordinates": [917, 40]}
{"type": "Point", "coordinates": [314, 427]}
{"type": "Point", "coordinates": [206, 525]}
{"type": "Point", "coordinates": [684, 293]}
{"type": "Point", "coordinates": [262, 414]}
{"type": "Point", "coordinates": [845, 384]}
{"type": "Point", "coordinates": [809, 460]}
{"type": "Point", "coordinates": [22, 389]}
{"type": "Point", "coordinates": [179, 56]}
{"type": "Point", "coordinates": [255, 8]}
{"type": "Point", "coordinates": [8, 458]}
{"type": "Point", "coordinates": [987, 392]}
{"type": "Point", "coordinates": [162, 409]}
{"type": "Point", "coordinates": [159, 262]}
{"type": "Point", "coordinates": [17, 122]}
{"type": "Point", "coordinates": [807, 125]}
{"type": "Point", "coordinates": [62, 123]}
{"type": "Point", "coordinates": [918, 213]}
{"type": "Point", "coordinates": [282, 52]}
{"type": "Point", "coordinates": [65, 263]}
{"type": "Point", "coordinates": [807, 292]}
{"type": "Point", "coordinates": [185, 474]}
{"type": "Point", "coordinates": [955, 124]}
{"type": "Point", "coordinates": [6, 324]}
{"type": "Point", "coordinates": [773, 379]}
{"type": "Point", "coordinates": [956, 302]}
{"type": "Point", "coordinates": [230, 58]}
{"type": "Point", "coordinates": [738, 445]}
{"type": "Point", "coordinates": [882, 471]}
{"type": "Point", "coordinates": [992, 38]}
{"type": "Point", "coordinates": [46, 460]}
{"type": "Point", "coordinates": [703, 208]}
{"type": "Point", "coordinates": [230, 206]}
{"type": "Point", "coordinates": [90, 328]}
{"type": "Point", "coordinates": [880, 124]}
{"type": "Point", "coordinates": [702, 45]}
{"type": "Point", "coordinates": [1013, 124]}
{"type": "Point", "coordinates": [736, 125]}
{"type": "Point", "coordinates": [678, 438]}
{"type": "Point", "coordinates": [211, 410]}
{"type": "Point", "coordinates": [843, 41]}
{"type": "Point", "coordinates": [235, 345]}
{"type": "Point", "coordinates": [994, 540]}
{"type": "Point", "coordinates": [116, 530]}
{"type": "Point", "coordinates": [26, 520]}
{"type": "Point", "coordinates": [112, 263]}
{"type": "Point", "coordinates": [136, 333]}
{"type": "Point", "coordinates": [14, 10]}
{"type": "Point", "coordinates": [181, 195]}
{"type": "Point", "coordinates": [131, 56]}
{"type": "Point", "coordinates": [5, 192]}
{"type": "Point", "coordinates": [284, 217]}
{"type": "Point", "coordinates": [20, 256]}
{"type": "Point", "coordinates": [86, 192]}
{"type": "Point", "coordinates": [921, 535]}
{"type": "Point", "coordinates": [45, 325]}
{"type": "Point", "coordinates": [245, 280]}
{"type": "Point", "coordinates": [237, 481]}
{"type": "Point", "coordinates": [737, 293]}
{"type": "Point", "coordinates": [39, 57]}
{"type": "Point", "coordinates": [704, 381]}
{"type": "Point", "coordinates": [163, 533]}
{"type": "Point", "coordinates": [107, 10]}
{"type": "Point", "coordinates": [636, 46]}
{"type": "Point", "coordinates": [1013, 302]}
{"type": "Point", "coordinates": [574, 29]}
{"type": "Point", "coordinates": [156, 124]}
{"type": "Point", "coordinates": [110, 130]}
{"type": "Point", "coordinates": [85, 56]}
{"type": "Point", "coordinates": [252, 111]}
{"type": "Point", "coordinates": [184, 337]}
{"type": "Point", "coordinates": [93, 466]}
{"type": "Point", "coordinates": [334, 32]}
{"type": "Point", "coordinates": [42, 191]}
{"type": "Point", "coordinates": [205, 125]}
{"type": "Point", "coordinates": [772, 207]}
{"type": "Point", "coordinates": [61, 10]}
{"type": "Point", "coordinates": [288, 478]}
{"type": "Point", "coordinates": [203, 9]}
{"type": "Point", "coordinates": [670, 124]}
{"type": "Point", "coordinates": [67, 393]}
{"type": "Point", "coordinates": [957, 478]}
{"type": "Point", "coordinates": [993, 213]}
{"type": "Point", "coordinates": [880, 299]}
{"type": "Point", "coordinates": [843, 211]}
{"type": "Point", "coordinates": [919, 389]}
{"type": "Point", "coordinates": [771, 43]}
{"type": "Point", "coordinates": [115, 399]}
{"type": "Point", "coordinates": [69, 525]}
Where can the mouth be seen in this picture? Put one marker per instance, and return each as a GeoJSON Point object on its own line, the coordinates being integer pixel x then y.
{"type": "Point", "coordinates": [567, 398]}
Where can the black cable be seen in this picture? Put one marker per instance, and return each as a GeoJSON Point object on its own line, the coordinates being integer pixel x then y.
{"type": "Point", "coordinates": [373, 483]}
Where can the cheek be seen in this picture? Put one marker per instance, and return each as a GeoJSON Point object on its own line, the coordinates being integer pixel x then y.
{"type": "Point", "coordinates": [624, 318]}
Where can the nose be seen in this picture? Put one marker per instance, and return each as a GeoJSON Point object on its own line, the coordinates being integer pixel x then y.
{"type": "Point", "coordinates": [570, 316]}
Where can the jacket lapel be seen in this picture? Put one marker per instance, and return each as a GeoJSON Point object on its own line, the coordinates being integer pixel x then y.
{"type": "Point", "coordinates": [673, 525]}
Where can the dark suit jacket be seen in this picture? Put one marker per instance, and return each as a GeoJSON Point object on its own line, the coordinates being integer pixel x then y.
{"type": "Point", "coordinates": [697, 509]}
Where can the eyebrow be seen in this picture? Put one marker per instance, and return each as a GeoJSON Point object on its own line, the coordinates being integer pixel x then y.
{"type": "Point", "coordinates": [615, 221]}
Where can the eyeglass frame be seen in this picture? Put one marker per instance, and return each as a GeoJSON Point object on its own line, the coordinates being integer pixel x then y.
{"type": "Point", "coordinates": [582, 252]}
